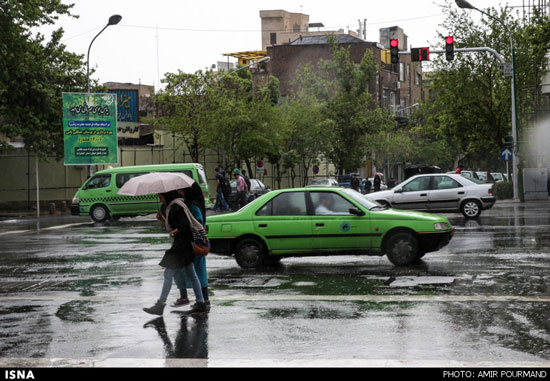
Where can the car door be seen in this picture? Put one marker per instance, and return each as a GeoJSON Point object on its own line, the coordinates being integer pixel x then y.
{"type": "Point", "coordinates": [445, 194]}
{"type": "Point", "coordinates": [285, 224]}
{"type": "Point", "coordinates": [412, 195]}
{"type": "Point", "coordinates": [335, 227]}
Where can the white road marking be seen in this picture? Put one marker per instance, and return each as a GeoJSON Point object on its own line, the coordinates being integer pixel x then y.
{"type": "Point", "coordinates": [48, 228]}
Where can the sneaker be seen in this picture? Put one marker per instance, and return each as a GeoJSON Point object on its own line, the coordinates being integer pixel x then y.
{"type": "Point", "coordinates": [157, 309]}
{"type": "Point", "coordinates": [199, 307]}
{"type": "Point", "coordinates": [180, 302]}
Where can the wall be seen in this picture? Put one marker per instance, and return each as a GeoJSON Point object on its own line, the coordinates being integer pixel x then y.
{"type": "Point", "coordinates": [59, 183]}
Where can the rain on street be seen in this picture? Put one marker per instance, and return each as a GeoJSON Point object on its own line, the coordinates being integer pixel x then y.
{"type": "Point", "coordinates": [72, 294]}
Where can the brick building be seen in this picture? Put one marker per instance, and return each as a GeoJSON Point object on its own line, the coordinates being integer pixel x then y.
{"type": "Point", "coordinates": [396, 88]}
{"type": "Point", "coordinates": [290, 44]}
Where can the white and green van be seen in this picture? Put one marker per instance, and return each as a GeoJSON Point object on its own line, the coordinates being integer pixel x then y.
{"type": "Point", "coordinates": [98, 197]}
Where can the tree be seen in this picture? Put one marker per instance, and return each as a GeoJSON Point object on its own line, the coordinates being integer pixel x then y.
{"type": "Point", "coordinates": [348, 112]}
{"type": "Point", "coordinates": [304, 138]}
{"type": "Point", "coordinates": [33, 74]}
{"type": "Point", "coordinates": [245, 124]}
{"type": "Point", "coordinates": [185, 108]}
{"type": "Point", "coordinates": [470, 104]}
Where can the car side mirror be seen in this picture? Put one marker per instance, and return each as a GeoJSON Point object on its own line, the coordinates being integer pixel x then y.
{"type": "Point", "coordinates": [356, 211]}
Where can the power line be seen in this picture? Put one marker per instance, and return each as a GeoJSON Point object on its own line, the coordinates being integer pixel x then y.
{"type": "Point", "coordinates": [208, 30]}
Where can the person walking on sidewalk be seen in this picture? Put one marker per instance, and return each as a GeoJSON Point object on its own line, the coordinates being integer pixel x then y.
{"type": "Point", "coordinates": [242, 189]}
{"type": "Point", "coordinates": [220, 198]}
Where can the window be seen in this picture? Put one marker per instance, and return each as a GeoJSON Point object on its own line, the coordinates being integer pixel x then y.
{"type": "Point", "coordinates": [285, 204]}
{"type": "Point", "coordinates": [189, 173]}
{"type": "Point", "coordinates": [419, 184]}
{"type": "Point", "coordinates": [445, 182]}
{"type": "Point", "coordinates": [273, 38]}
{"type": "Point", "coordinates": [328, 203]}
{"type": "Point", "coordinates": [99, 181]}
{"type": "Point", "coordinates": [202, 175]}
{"type": "Point", "coordinates": [122, 178]}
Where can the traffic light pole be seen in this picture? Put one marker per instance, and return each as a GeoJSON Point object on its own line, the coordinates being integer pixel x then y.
{"type": "Point", "coordinates": [517, 170]}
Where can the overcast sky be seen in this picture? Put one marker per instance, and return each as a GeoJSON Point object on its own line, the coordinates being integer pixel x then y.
{"type": "Point", "coordinates": [159, 36]}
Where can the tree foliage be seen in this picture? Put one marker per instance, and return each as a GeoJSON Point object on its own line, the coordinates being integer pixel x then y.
{"type": "Point", "coordinates": [33, 74]}
{"type": "Point", "coordinates": [222, 112]}
{"type": "Point", "coordinates": [348, 114]}
{"type": "Point", "coordinates": [470, 103]}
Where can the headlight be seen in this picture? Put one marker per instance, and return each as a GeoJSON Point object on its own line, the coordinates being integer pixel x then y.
{"type": "Point", "coordinates": [76, 200]}
{"type": "Point", "coordinates": [441, 226]}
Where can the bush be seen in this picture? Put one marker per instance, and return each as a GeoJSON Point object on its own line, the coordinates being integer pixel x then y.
{"type": "Point", "coordinates": [504, 190]}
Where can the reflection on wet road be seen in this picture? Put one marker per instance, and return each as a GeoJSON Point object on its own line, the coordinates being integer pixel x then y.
{"type": "Point", "coordinates": [75, 294]}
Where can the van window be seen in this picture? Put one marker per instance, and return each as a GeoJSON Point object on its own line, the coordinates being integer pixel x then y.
{"type": "Point", "coordinates": [122, 178]}
{"type": "Point", "coordinates": [202, 176]}
{"type": "Point", "coordinates": [187, 172]}
{"type": "Point", "coordinates": [99, 181]}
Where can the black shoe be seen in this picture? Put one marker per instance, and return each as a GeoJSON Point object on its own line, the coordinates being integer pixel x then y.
{"type": "Point", "coordinates": [199, 307]}
{"type": "Point", "coordinates": [157, 309]}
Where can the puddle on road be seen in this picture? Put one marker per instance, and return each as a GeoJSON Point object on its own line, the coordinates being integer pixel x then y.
{"type": "Point", "coordinates": [76, 311]}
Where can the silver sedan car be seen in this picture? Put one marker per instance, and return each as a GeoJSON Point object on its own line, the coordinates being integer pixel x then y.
{"type": "Point", "coordinates": [439, 192]}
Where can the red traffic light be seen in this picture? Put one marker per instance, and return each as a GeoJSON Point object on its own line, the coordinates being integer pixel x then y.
{"type": "Point", "coordinates": [449, 40]}
{"type": "Point", "coordinates": [394, 43]}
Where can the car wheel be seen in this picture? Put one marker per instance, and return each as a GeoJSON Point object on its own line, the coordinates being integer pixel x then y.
{"type": "Point", "coordinates": [249, 253]}
{"type": "Point", "coordinates": [471, 209]}
{"type": "Point", "coordinates": [99, 213]}
{"type": "Point", "coordinates": [402, 249]}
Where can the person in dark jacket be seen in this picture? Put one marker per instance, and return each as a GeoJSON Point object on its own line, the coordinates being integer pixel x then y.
{"type": "Point", "coordinates": [200, 261]}
{"type": "Point", "coordinates": [377, 183]}
{"type": "Point", "coordinates": [179, 256]}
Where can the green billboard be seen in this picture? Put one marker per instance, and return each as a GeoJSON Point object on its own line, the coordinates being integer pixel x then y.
{"type": "Point", "coordinates": [90, 128]}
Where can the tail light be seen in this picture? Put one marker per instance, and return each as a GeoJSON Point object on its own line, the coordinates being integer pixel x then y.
{"type": "Point", "coordinates": [206, 228]}
{"type": "Point", "coordinates": [491, 190]}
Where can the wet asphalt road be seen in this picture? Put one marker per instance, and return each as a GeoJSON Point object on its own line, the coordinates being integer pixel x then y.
{"type": "Point", "coordinates": [72, 293]}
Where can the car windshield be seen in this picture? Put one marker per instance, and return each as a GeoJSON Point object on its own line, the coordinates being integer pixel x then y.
{"type": "Point", "coordinates": [364, 201]}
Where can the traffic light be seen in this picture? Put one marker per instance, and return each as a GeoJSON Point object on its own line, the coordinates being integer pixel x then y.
{"type": "Point", "coordinates": [449, 48]}
{"type": "Point", "coordinates": [394, 51]}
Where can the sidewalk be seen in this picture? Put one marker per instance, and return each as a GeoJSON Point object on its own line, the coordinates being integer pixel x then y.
{"type": "Point", "coordinates": [527, 203]}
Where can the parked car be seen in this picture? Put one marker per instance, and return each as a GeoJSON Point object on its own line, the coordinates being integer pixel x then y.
{"type": "Point", "coordinates": [439, 193]}
{"type": "Point", "coordinates": [498, 176]}
{"type": "Point", "coordinates": [345, 180]}
{"type": "Point", "coordinates": [324, 221]}
{"type": "Point", "coordinates": [469, 174]}
{"type": "Point", "coordinates": [257, 188]}
{"type": "Point", "coordinates": [321, 182]}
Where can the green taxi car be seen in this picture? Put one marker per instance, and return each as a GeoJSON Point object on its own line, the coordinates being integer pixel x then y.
{"type": "Point", "coordinates": [324, 221]}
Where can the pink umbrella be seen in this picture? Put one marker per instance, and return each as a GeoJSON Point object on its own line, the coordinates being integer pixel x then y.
{"type": "Point", "coordinates": [155, 182]}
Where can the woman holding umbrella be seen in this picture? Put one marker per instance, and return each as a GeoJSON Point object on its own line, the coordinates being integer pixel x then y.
{"type": "Point", "coordinates": [180, 256]}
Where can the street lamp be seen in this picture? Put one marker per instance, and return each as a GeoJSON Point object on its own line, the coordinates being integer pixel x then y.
{"type": "Point", "coordinates": [517, 177]}
{"type": "Point", "coordinates": [113, 20]}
